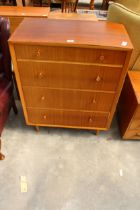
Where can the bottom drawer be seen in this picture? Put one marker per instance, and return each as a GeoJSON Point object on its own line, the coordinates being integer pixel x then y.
{"type": "Point", "coordinates": [67, 118]}
{"type": "Point", "coordinates": [135, 124]}
{"type": "Point", "coordinates": [132, 134]}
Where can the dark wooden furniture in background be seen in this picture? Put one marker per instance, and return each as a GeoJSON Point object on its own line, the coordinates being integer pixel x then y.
{"type": "Point", "coordinates": [17, 14]}
{"type": "Point", "coordinates": [12, 2]}
{"type": "Point", "coordinates": [69, 5]}
{"type": "Point", "coordinates": [129, 107]}
{"type": "Point", "coordinates": [70, 73]}
{"type": "Point", "coordinates": [91, 4]}
{"type": "Point", "coordinates": [41, 3]}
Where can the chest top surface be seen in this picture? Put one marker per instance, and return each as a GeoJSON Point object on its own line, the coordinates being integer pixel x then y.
{"type": "Point", "coordinates": [19, 11]}
{"type": "Point", "coordinates": [72, 33]}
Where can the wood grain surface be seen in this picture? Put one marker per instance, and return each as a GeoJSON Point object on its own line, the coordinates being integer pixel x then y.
{"type": "Point", "coordinates": [72, 33]}
{"type": "Point", "coordinates": [70, 73]}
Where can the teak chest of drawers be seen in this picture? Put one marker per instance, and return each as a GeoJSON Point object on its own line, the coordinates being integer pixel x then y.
{"type": "Point", "coordinates": [129, 107]}
{"type": "Point", "coordinates": [70, 73]}
{"type": "Point", "coordinates": [18, 13]}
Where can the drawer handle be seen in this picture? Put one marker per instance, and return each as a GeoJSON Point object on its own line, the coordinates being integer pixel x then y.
{"type": "Point", "coordinates": [98, 78]}
{"type": "Point", "coordinates": [45, 117]}
{"type": "Point", "coordinates": [90, 120]}
{"type": "Point", "coordinates": [42, 98]}
{"type": "Point", "coordinates": [38, 52]}
{"type": "Point", "coordinates": [93, 101]}
{"type": "Point", "coordinates": [102, 57]}
{"type": "Point", "coordinates": [40, 75]}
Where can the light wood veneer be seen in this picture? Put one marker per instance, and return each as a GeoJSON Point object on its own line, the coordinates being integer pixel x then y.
{"type": "Point", "coordinates": [18, 13]}
{"type": "Point", "coordinates": [70, 73]}
{"type": "Point", "coordinates": [129, 107]}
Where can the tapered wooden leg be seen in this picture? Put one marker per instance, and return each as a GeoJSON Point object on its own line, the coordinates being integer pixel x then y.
{"type": "Point", "coordinates": [1, 155]}
{"type": "Point", "coordinates": [37, 128]}
{"type": "Point", "coordinates": [97, 132]}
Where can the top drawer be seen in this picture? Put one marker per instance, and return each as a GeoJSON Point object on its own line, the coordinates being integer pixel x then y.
{"type": "Point", "coordinates": [74, 54]}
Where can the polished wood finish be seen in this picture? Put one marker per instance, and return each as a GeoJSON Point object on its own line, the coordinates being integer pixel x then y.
{"type": "Point", "coordinates": [67, 118]}
{"type": "Point", "coordinates": [59, 99]}
{"type": "Point", "coordinates": [102, 34]}
{"type": "Point", "coordinates": [129, 107]}
{"type": "Point", "coordinates": [11, 11]}
{"type": "Point", "coordinates": [72, 16]}
{"type": "Point", "coordinates": [18, 13]}
{"type": "Point", "coordinates": [67, 80]}
{"type": "Point", "coordinates": [79, 56]}
{"type": "Point", "coordinates": [85, 76]}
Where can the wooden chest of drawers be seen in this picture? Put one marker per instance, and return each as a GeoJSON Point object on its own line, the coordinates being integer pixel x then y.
{"type": "Point", "coordinates": [129, 107]}
{"type": "Point", "coordinates": [70, 73]}
{"type": "Point", "coordinates": [18, 13]}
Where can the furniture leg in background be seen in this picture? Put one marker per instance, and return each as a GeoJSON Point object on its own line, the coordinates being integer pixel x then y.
{"type": "Point", "coordinates": [23, 3]}
{"type": "Point", "coordinates": [69, 6]}
{"type": "Point", "coordinates": [91, 4]}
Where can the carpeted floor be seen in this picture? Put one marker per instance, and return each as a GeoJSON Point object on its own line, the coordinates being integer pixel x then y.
{"type": "Point", "coordinates": [68, 169]}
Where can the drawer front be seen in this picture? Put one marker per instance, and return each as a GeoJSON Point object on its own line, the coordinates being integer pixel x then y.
{"type": "Point", "coordinates": [56, 53]}
{"type": "Point", "coordinates": [137, 113]}
{"type": "Point", "coordinates": [67, 118]}
{"type": "Point", "coordinates": [71, 76]}
{"type": "Point", "coordinates": [135, 124]}
{"type": "Point", "coordinates": [132, 134]}
{"type": "Point", "coordinates": [67, 99]}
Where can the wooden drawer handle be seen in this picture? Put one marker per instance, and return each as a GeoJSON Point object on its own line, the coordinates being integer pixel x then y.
{"type": "Point", "coordinates": [40, 75]}
{"type": "Point", "coordinates": [93, 101]}
{"type": "Point", "coordinates": [44, 117]}
{"type": "Point", "coordinates": [38, 52]}
{"type": "Point", "coordinates": [98, 78]}
{"type": "Point", "coordinates": [90, 119]}
{"type": "Point", "coordinates": [102, 57]}
{"type": "Point", "coordinates": [42, 98]}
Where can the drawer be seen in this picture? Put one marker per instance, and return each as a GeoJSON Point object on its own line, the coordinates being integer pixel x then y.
{"type": "Point", "coordinates": [67, 99]}
{"type": "Point", "coordinates": [67, 118]}
{"type": "Point", "coordinates": [132, 134]}
{"type": "Point", "coordinates": [135, 124]}
{"type": "Point", "coordinates": [75, 54]}
{"type": "Point", "coordinates": [71, 76]}
{"type": "Point", "coordinates": [137, 113]}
